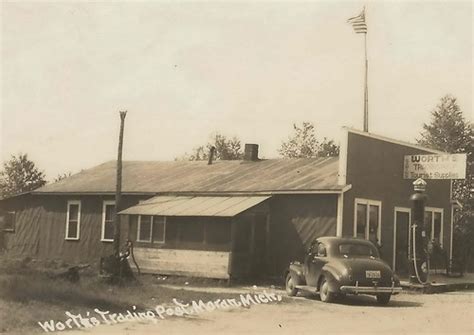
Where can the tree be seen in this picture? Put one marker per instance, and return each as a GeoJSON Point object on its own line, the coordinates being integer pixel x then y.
{"type": "Point", "coordinates": [449, 131]}
{"type": "Point", "coordinates": [226, 149]}
{"type": "Point", "coordinates": [20, 175]}
{"type": "Point", "coordinates": [62, 176]}
{"type": "Point", "coordinates": [304, 144]}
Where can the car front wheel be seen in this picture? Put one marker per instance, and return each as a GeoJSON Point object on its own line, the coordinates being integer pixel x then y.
{"type": "Point", "coordinates": [383, 298]}
{"type": "Point", "coordinates": [324, 293]}
{"type": "Point", "coordinates": [291, 290]}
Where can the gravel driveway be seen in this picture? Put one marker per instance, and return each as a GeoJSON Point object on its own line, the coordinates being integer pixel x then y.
{"type": "Point", "coordinates": [406, 314]}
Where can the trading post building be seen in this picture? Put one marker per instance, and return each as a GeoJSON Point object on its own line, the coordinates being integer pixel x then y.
{"type": "Point", "coordinates": [230, 218]}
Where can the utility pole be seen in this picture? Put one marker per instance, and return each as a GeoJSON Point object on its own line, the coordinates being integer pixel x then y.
{"type": "Point", "coordinates": [118, 189]}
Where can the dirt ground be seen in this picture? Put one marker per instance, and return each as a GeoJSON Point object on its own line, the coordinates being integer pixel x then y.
{"type": "Point", "coordinates": [447, 313]}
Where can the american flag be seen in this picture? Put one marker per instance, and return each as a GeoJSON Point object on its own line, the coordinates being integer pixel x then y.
{"type": "Point", "coordinates": [358, 23]}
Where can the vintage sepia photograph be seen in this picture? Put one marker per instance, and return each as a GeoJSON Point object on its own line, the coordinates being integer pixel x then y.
{"type": "Point", "coordinates": [236, 167]}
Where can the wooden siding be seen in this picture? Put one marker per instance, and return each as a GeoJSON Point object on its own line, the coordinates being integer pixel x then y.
{"type": "Point", "coordinates": [195, 263]}
{"type": "Point", "coordinates": [294, 222]}
{"type": "Point", "coordinates": [375, 170]}
{"type": "Point", "coordinates": [40, 228]}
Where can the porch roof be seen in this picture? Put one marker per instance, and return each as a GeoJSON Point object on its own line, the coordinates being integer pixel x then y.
{"type": "Point", "coordinates": [222, 206]}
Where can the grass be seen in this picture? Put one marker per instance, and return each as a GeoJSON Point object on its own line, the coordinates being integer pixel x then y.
{"type": "Point", "coordinates": [29, 295]}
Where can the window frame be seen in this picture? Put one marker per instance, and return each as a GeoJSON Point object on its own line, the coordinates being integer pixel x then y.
{"type": "Point", "coordinates": [368, 203]}
{"type": "Point", "coordinates": [105, 203]}
{"type": "Point", "coordinates": [13, 214]}
{"type": "Point", "coordinates": [434, 210]}
{"type": "Point", "coordinates": [78, 235]}
{"type": "Point", "coordinates": [152, 223]}
{"type": "Point", "coordinates": [321, 244]}
{"type": "Point", "coordinates": [164, 229]}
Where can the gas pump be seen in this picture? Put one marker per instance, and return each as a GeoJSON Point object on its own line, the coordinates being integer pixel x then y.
{"type": "Point", "coordinates": [419, 262]}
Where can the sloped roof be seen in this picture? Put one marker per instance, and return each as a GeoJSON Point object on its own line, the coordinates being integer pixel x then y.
{"type": "Point", "coordinates": [221, 206]}
{"type": "Point", "coordinates": [199, 177]}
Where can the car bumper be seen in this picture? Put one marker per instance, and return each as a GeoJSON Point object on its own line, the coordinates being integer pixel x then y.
{"type": "Point", "coordinates": [370, 289]}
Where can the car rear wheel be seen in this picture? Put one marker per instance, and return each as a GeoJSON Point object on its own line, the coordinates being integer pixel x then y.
{"type": "Point", "coordinates": [291, 290]}
{"type": "Point", "coordinates": [383, 298]}
{"type": "Point", "coordinates": [324, 293]}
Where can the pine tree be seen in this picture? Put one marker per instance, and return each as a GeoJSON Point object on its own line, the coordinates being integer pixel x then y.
{"type": "Point", "coordinates": [448, 131]}
{"type": "Point", "coordinates": [20, 175]}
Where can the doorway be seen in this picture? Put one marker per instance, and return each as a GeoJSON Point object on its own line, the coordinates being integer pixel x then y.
{"type": "Point", "coordinates": [401, 240]}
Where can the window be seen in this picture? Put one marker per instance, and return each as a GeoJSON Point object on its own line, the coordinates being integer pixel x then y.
{"type": "Point", "coordinates": [73, 220]}
{"type": "Point", "coordinates": [108, 211]}
{"type": "Point", "coordinates": [151, 229]}
{"type": "Point", "coordinates": [7, 221]}
{"type": "Point", "coordinates": [192, 231]}
{"type": "Point", "coordinates": [434, 224]}
{"type": "Point", "coordinates": [159, 229]}
{"type": "Point", "coordinates": [144, 228]}
{"type": "Point", "coordinates": [357, 250]}
{"type": "Point", "coordinates": [218, 231]}
{"type": "Point", "coordinates": [321, 250]}
{"type": "Point", "coordinates": [367, 222]}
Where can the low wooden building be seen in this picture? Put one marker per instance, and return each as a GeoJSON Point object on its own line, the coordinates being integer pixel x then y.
{"type": "Point", "coordinates": [230, 218]}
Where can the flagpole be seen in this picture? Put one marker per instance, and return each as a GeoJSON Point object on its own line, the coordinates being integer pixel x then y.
{"type": "Point", "coordinates": [366, 89]}
{"type": "Point", "coordinates": [360, 27]}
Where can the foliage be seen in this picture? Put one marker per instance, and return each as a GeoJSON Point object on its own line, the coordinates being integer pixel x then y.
{"type": "Point", "coordinates": [225, 149]}
{"type": "Point", "coordinates": [304, 144]}
{"type": "Point", "coordinates": [449, 131]}
{"type": "Point", "coordinates": [62, 176]}
{"type": "Point", "coordinates": [29, 293]}
{"type": "Point", "coordinates": [20, 175]}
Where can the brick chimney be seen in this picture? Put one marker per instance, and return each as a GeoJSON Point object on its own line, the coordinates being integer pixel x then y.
{"type": "Point", "coordinates": [251, 152]}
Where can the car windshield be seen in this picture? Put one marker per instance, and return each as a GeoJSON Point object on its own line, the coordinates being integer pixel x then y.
{"type": "Point", "coordinates": [357, 250]}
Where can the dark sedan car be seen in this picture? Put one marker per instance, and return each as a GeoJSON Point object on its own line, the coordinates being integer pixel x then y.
{"type": "Point", "coordinates": [337, 266]}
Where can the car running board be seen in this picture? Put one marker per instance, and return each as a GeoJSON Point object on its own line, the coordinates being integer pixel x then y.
{"type": "Point", "coordinates": [307, 288]}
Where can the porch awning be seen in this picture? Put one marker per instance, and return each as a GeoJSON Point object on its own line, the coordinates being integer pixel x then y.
{"type": "Point", "coordinates": [223, 206]}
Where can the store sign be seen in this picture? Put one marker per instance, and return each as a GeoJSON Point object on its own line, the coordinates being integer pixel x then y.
{"type": "Point", "coordinates": [435, 166]}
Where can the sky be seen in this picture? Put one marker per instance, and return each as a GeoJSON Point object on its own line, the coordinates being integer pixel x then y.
{"type": "Point", "coordinates": [185, 70]}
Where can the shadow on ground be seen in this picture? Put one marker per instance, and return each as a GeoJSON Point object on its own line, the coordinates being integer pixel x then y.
{"type": "Point", "coordinates": [363, 301]}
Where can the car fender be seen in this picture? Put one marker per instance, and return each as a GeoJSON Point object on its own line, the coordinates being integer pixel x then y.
{"type": "Point", "coordinates": [332, 275]}
{"type": "Point", "coordinates": [297, 274]}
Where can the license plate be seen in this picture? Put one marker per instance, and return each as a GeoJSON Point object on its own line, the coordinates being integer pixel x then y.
{"type": "Point", "coordinates": [372, 274]}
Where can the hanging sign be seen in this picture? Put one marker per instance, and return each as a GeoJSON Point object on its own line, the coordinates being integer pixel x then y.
{"type": "Point", "coordinates": [446, 166]}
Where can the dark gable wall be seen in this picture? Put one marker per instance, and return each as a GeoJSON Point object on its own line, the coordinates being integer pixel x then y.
{"type": "Point", "coordinates": [41, 227]}
{"type": "Point", "coordinates": [295, 220]}
{"type": "Point", "coordinates": [375, 170]}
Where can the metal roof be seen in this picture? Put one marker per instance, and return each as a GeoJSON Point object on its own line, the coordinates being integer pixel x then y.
{"type": "Point", "coordinates": [194, 177]}
{"type": "Point", "coordinates": [195, 206]}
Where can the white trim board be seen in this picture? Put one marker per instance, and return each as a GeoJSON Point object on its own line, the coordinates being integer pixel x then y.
{"type": "Point", "coordinates": [451, 235]}
{"type": "Point", "coordinates": [368, 202]}
{"type": "Point", "coordinates": [78, 235]}
{"type": "Point", "coordinates": [105, 203]}
{"type": "Point", "coordinates": [441, 233]}
{"type": "Point", "coordinates": [342, 168]}
{"type": "Point", "coordinates": [340, 214]}
{"type": "Point", "coordinates": [152, 222]}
